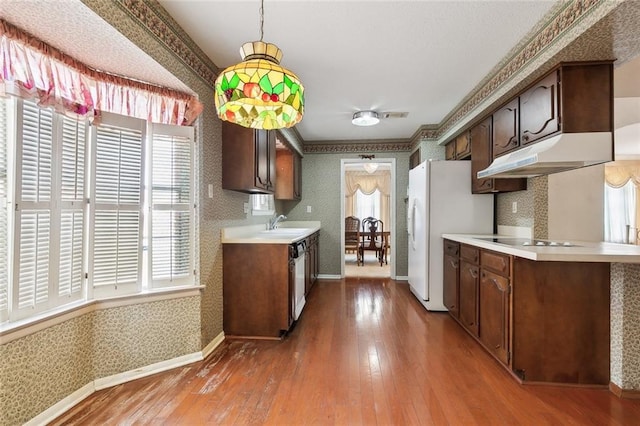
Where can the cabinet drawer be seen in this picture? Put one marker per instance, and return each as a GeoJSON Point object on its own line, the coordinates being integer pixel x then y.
{"type": "Point", "coordinates": [451, 248]}
{"type": "Point", "coordinates": [470, 253]}
{"type": "Point", "coordinates": [495, 261]}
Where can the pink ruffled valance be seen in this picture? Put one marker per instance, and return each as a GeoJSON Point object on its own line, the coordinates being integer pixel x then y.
{"type": "Point", "coordinates": [32, 69]}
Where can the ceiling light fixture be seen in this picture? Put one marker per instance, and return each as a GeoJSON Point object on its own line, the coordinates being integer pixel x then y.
{"type": "Point", "coordinates": [258, 92]}
{"type": "Point", "coordinates": [365, 118]}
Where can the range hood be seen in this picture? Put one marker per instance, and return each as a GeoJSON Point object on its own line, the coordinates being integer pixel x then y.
{"type": "Point", "coordinates": [565, 151]}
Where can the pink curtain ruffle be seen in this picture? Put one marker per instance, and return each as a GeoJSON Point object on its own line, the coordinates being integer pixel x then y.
{"type": "Point", "coordinates": [29, 68]}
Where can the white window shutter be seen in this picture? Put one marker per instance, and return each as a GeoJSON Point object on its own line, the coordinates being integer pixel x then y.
{"type": "Point", "coordinates": [4, 212]}
{"type": "Point", "coordinates": [71, 202]}
{"type": "Point", "coordinates": [117, 205]}
{"type": "Point", "coordinates": [34, 174]}
{"type": "Point", "coordinates": [172, 206]}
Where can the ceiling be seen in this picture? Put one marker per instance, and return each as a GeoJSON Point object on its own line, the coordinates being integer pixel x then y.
{"type": "Point", "coordinates": [424, 58]}
{"type": "Point", "coordinates": [417, 57]}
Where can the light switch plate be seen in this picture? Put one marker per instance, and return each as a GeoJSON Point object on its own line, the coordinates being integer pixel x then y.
{"type": "Point", "coordinates": [210, 190]}
{"type": "Point", "coordinates": [246, 207]}
{"type": "Point", "coordinates": [308, 209]}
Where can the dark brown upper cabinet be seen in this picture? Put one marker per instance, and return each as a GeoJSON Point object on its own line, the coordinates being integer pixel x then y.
{"type": "Point", "coordinates": [248, 159]}
{"type": "Point", "coordinates": [506, 128]}
{"type": "Point", "coordinates": [481, 137]}
{"type": "Point", "coordinates": [288, 175]}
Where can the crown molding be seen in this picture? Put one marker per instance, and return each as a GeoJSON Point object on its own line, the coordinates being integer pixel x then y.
{"type": "Point", "coordinates": [566, 17]}
{"type": "Point", "coordinates": [388, 145]}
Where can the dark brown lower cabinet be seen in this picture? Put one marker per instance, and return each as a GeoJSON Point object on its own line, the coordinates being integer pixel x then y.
{"type": "Point", "coordinates": [257, 290]}
{"type": "Point", "coordinates": [451, 276]}
{"type": "Point", "coordinates": [546, 322]}
{"type": "Point", "coordinates": [468, 294]}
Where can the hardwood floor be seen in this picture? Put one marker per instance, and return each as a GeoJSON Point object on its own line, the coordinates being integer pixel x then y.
{"type": "Point", "coordinates": [363, 352]}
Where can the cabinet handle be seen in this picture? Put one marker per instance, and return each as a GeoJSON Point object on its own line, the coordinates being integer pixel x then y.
{"type": "Point", "coordinates": [470, 324]}
{"type": "Point", "coordinates": [454, 264]}
{"type": "Point", "coordinates": [513, 141]}
{"type": "Point", "coordinates": [497, 346]}
{"type": "Point", "coordinates": [525, 138]}
{"type": "Point", "coordinates": [473, 273]}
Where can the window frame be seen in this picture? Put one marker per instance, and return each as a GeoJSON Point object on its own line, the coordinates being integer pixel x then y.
{"type": "Point", "coordinates": [56, 302]}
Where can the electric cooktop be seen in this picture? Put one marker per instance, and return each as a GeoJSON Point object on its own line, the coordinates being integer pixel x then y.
{"type": "Point", "coordinates": [526, 242]}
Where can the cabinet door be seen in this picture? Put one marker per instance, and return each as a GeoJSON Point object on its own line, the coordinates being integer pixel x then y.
{"type": "Point", "coordinates": [506, 128]}
{"type": "Point", "coordinates": [297, 176]}
{"type": "Point", "coordinates": [450, 150]}
{"type": "Point", "coordinates": [539, 110]}
{"type": "Point", "coordinates": [451, 277]}
{"type": "Point", "coordinates": [494, 314]}
{"type": "Point", "coordinates": [265, 159]}
{"type": "Point", "coordinates": [468, 295]}
{"type": "Point", "coordinates": [463, 146]}
{"type": "Point", "coordinates": [480, 137]}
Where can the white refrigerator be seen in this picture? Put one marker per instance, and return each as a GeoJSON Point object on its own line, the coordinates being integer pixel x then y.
{"type": "Point", "coordinates": [440, 202]}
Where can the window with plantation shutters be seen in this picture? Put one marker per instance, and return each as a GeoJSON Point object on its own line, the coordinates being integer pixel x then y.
{"type": "Point", "coordinates": [172, 206]}
{"type": "Point", "coordinates": [116, 224]}
{"type": "Point", "coordinates": [48, 222]}
{"type": "Point", "coordinates": [88, 212]}
{"type": "Point", "coordinates": [4, 212]}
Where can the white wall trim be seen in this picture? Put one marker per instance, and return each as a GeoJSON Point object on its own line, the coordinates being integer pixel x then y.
{"type": "Point", "coordinates": [392, 207]}
{"type": "Point", "coordinates": [402, 278]}
{"type": "Point", "coordinates": [212, 345]}
{"type": "Point", "coordinates": [329, 276]}
{"type": "Point", "coordinates": [62, 406]}
{"type": "Point", "coordinates": [78, 396]}
{"type": "Point", "coordinates": [148, 370]}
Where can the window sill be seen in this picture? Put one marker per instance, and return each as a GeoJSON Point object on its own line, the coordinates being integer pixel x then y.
{"type": "Point", "coordinates": [16, 329]}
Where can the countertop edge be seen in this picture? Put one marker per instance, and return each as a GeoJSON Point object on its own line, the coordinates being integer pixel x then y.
{"type": "Point", "coordinates": [587, 252]}
{"type": "Point", "coordinates": [251, 238]}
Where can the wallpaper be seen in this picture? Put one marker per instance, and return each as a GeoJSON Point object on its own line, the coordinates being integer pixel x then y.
{"type": "Point", "coordinates": [43, 368]}
{"type": "Point", "coordinates": [625, 325]}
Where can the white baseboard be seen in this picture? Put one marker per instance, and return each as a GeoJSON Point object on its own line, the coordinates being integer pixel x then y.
{"type": "Point", "coordinates": [212, 345]}
{"type": "Point", "coordinates": [147, 370]}
{"type": "Point", "coordinates": [329, 277]}
{"type": "Point", "coordinates": [62, 406]}
{"type": "Point", "coordinates": [401, 278]}
{"type": "Point", "coordinates": [76, 397]}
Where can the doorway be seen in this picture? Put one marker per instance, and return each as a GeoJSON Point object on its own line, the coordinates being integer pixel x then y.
{"type": "Point", "coordinates": [368, 189]}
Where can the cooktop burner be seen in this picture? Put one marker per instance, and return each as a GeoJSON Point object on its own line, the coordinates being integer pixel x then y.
{"type": "Point", "coordinates": [525, 242]}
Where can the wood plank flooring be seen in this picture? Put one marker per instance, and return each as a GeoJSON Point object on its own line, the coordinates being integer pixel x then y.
{"type": "Point", "coordinates": [364, 352]}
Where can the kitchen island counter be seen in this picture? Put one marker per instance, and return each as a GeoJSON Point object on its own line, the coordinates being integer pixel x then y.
{"type": "Point", "coordinates": [579, 251]}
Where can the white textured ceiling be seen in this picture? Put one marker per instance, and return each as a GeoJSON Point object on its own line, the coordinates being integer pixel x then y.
{"type": "Point", "coordinates": [420, 57]}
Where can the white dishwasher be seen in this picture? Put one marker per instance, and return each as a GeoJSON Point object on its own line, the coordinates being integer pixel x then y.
{"type": "Point", "coordinates": [298, 254]}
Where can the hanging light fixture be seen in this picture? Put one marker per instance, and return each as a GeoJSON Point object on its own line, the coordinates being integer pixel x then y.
{"type": "Point", "coordinates": [258, 92]}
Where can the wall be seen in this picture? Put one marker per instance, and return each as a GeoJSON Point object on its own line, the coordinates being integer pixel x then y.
{"type": "Point", "coordinates": [576, 204]}
{"type": "Point", "coordinates": [321, 191]}
{"type": "Point", "coordinates": [43, 368]}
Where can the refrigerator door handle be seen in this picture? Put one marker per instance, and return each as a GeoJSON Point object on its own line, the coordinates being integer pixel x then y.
{"type": "Point", "coordinates": [412, 225]}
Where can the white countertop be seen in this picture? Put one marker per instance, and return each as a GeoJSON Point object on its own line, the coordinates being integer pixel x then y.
{"type": "Point", "coordinates": [583, 251]}
{"type": "Point", "coordinates": [287, 232]}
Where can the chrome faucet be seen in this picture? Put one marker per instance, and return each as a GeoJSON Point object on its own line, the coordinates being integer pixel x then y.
{"type": "Point", "coordinates": [273, 223]}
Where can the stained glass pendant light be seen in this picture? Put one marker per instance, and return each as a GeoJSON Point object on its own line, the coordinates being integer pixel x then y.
{"type": "Point", "coordinates": [258, 93]}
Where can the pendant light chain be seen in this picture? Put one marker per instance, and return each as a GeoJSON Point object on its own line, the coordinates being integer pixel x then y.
{"type": "Point", "coordinates": [261, 19]}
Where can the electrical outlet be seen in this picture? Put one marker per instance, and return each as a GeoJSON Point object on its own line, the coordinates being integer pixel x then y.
{"type": "Point", "coordinates": [514, 207]}
{"type": "Point", "coordinates": [308, 209]}
{"type": "Point", "coordinates": [246, 207]}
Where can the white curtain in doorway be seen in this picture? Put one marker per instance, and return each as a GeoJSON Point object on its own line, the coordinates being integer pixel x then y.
{"type": "Point", "coordinates": [622, 202]}
{"type": "Point", "coordinates": [368, 183]}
